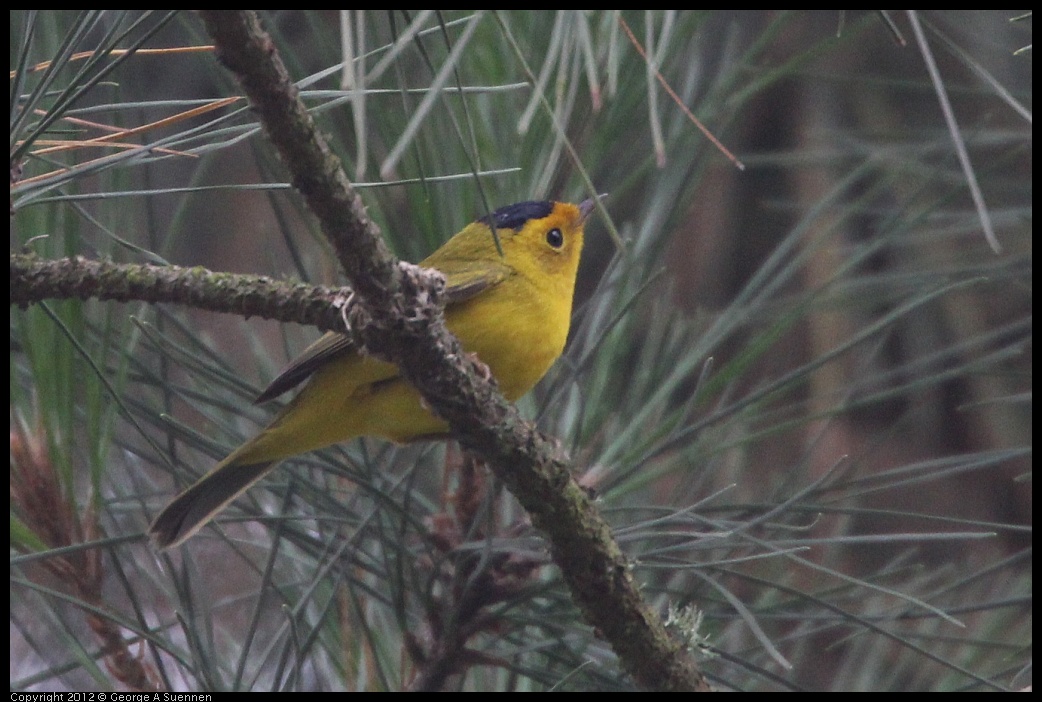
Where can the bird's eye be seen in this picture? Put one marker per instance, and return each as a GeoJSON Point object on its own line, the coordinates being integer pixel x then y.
{"type": "Point", "coordinates": [555, 238]}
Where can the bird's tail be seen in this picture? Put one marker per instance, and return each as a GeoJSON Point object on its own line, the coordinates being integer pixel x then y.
{"type": "Point", "coordinates": [197, 505]}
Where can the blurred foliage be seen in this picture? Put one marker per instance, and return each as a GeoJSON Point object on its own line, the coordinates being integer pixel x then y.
{"type": "Point", "coordinates": [801, 391]}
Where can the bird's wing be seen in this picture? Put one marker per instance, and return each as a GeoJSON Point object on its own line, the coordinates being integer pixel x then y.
{"type": "Point", "coordinates": [465, 280]}
{"type": "Point", "coordinates": [468, 279]}
{"type": "Point", "coordinates": [328, 346]}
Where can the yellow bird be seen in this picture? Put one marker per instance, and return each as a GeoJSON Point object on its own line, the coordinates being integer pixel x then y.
{"type": "Point", "coordinates": [513, 310]}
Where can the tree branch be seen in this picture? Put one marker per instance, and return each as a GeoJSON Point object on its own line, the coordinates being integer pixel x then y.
{"type": "Point", "coordinates": [34, 278]}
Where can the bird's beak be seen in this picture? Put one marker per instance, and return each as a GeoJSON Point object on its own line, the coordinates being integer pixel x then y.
{"type": "Point", "coordinates": [587, 206]}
